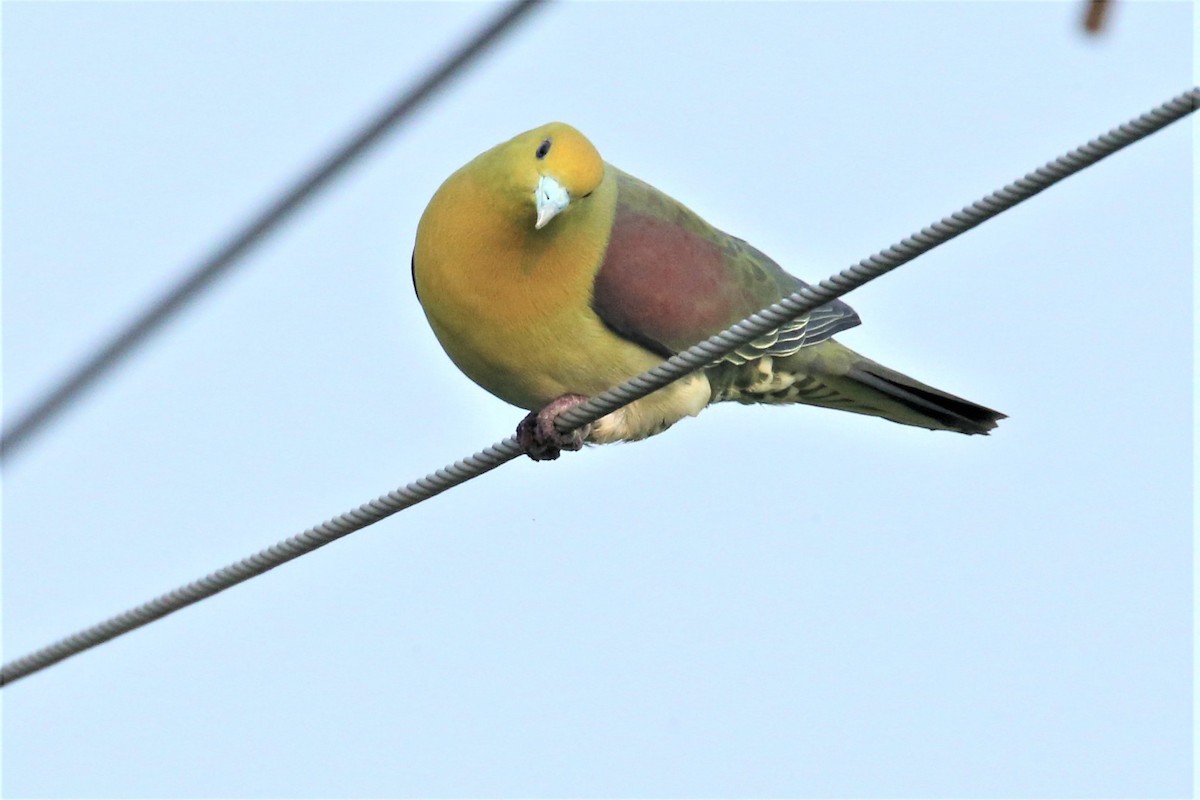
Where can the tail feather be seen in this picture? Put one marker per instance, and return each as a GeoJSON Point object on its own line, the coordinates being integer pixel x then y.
{"type": "Point", "coordinates": [831, 375]}
{"type": "Point", "coordinates": [950, 412]}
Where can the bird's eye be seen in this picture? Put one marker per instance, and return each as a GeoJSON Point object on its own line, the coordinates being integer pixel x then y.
{"type": "Point", "coordinates": [543, 149]}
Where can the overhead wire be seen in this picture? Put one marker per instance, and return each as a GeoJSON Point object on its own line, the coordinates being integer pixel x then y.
{"type": "Point", "coordinates": [218, 263]}
{"type": "Point", "coordinates": [696, 357]}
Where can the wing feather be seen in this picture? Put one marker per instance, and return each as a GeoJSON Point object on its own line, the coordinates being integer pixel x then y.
{"type": "Point", "coordinates": [669, 280]}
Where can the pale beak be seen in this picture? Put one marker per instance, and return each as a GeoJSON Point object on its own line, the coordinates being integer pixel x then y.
{"type": "Point", "coordinates": [551, 198]}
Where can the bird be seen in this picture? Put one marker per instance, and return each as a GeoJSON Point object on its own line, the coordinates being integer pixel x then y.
{"type": "Point", "coordinates": [549, 275]}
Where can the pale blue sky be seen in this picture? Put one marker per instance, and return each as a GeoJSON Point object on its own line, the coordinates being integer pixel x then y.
{"type": "Point", "coordinates": [760, 602]}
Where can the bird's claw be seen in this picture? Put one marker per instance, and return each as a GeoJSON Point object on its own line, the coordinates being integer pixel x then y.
{"type": "Point", "coordinates": [538, 437]}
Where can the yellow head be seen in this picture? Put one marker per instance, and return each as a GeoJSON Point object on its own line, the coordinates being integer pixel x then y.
{"type": "Point", "coordinates": [540, 172]}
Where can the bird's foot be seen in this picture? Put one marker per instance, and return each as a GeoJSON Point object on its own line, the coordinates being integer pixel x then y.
{"type": "Point", "coordinates": [538, 437]}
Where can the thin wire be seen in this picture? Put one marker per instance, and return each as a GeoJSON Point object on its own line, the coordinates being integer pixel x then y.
{"type": "Point", "coordinates": [280, 553]}
{"type": "Point", "coordinates": [693, 358]}
{"type": "Point", "coordinates": [218, 263]}
{"type": "Point", "coordinates": [929, 237]}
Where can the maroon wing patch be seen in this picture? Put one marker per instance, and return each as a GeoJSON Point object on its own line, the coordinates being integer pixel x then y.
{"type": "Point", "coordinates": [669, 279]}
{"type": "Point", "coordinates": [665, 286]}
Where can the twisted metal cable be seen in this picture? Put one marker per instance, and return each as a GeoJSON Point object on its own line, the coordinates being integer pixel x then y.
{"type": "Point", "coordinates": [280, 553]}
{"type": "Point", "coordinates": [217, 264]}
{"type": "Point", "coordinates": [806, 299]}
{"type": "Point", "coordinates": [693, 358]}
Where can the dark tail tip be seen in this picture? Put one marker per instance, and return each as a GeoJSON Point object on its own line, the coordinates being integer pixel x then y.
{"type": "Point", "coordinates": [950, 412]}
